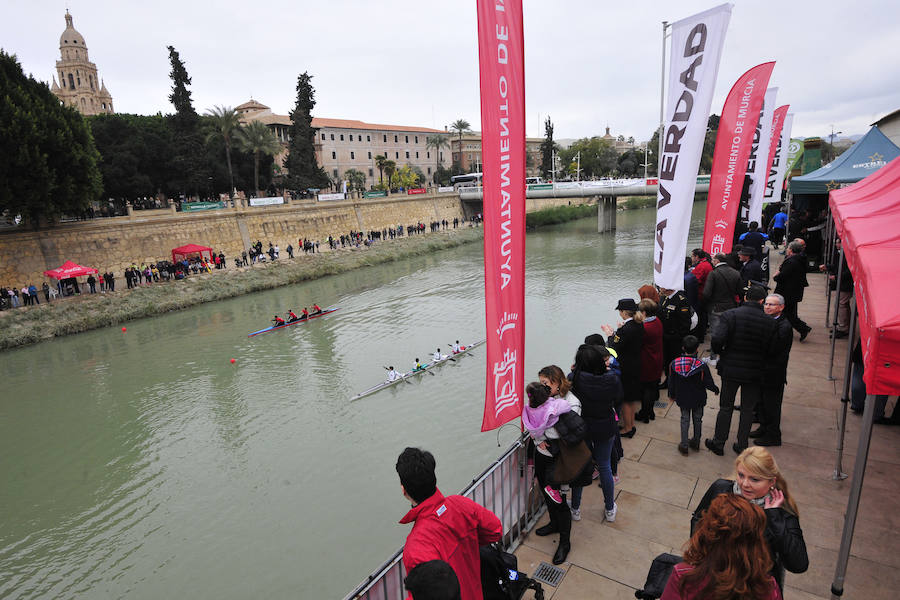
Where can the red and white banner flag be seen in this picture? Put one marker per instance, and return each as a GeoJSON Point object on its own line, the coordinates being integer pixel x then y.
{"type": "Point", "coordinates": [696, 50]}
{"type": "Point", "coordinates": [779, 160]}
{"type": "Point", "coordinates": [501, 58]}
{"type": "Point", "coordinates": [737, 125]}
{"type": "Point", "coordinates": [757, 165]}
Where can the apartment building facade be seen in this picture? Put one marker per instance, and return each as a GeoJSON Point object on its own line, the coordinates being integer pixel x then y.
{"type": "Point", "coordinates": [343, 144]}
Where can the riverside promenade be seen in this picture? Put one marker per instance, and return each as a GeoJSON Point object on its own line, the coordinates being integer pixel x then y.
{"type": "Point", "coordinates": [659, 488]}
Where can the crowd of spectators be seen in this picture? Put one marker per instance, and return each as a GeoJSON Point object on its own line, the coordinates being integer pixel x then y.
{"type": "Point", "coordinates": [163, 271]}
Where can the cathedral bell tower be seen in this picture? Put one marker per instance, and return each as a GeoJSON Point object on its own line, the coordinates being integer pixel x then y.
{"type": "Point", "coordinates": [79, 86]}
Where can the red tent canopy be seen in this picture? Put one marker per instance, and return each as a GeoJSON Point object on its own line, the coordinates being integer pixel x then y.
{"type": "Point", "coordinates": [189, 249]}
{"type": "Point", "coordinates": [69, 269]}
{"type": "Point", "coordinates": [867, 216]}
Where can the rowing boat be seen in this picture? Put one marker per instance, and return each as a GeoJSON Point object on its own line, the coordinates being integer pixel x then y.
{"type": "Point", "coordinates": [327, 311]}
{"type": "Point", "coordinates": [410, 374]}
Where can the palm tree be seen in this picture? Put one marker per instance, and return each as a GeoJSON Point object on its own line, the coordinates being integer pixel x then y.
{"type": "Point", "coordinates": [437, 142]}
{"type": "Point", "coordinates": [460, 126]}
{"type": "Point", "coordinates": [226, 121]}
{"type": "Point", "coordinates": [390, 167]}
{"type": "Point", "coordinates": [380, 161]}
{"type": "Point", "coordinates": [255, 137]}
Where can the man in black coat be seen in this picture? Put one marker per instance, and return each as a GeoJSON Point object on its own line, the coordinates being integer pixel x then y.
{"type": "Point", "coordinates": [751, 270]}
{"type": "Point", "coordinates": [722, 289]}
{"type": "Point", "coordinates": [774, 375]}
{"type": "Point", "coordinates": [627, 341]}
{"type": "Point", "coordinates": [790, 279]}
{"type": "Point", "coordinates": [745, 339]}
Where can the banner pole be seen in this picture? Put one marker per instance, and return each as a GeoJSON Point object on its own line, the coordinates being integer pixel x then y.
{"type": "Point", "coordinates": [859, 471]}
{"type": "Point", "coordinates": [837, 307]}
{"type": "Point", "coordinates": [845, 396]}
{"type": "Point", "coordinates": [662, 97]}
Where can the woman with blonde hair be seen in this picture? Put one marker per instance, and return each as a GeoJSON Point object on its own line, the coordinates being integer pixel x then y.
{"type": "Point", "coordinates": [727, 557]}
{"type": "Point", "coordinates": [758, 480]}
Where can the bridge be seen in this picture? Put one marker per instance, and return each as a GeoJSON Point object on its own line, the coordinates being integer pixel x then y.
{"type": "Point", "coordinates": [605, 190]}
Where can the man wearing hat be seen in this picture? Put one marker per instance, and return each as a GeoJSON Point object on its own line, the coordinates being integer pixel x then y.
{"type": "Point", "coordinates": [751, 270]}
{"type": "Point", "coordinates": [627, 341]}
{"type": "Point", "coordinates": [745, 339]}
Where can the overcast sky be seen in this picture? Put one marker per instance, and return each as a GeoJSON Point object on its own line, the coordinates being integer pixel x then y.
{"type": "Point", "coordinates": [588, 63]}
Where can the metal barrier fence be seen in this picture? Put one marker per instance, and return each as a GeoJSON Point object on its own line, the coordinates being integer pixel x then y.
{"type": "Point", "coordinates": [506, 488]}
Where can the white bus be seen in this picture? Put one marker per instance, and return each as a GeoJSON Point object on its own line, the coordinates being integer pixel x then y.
{"type": "Point", "coordinates": [467, 180]}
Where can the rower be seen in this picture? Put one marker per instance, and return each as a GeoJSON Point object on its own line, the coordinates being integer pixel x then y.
{"type": "Point", "coordinates": [437, 355]}
{"type": "Point", "coordinates": [305, 314]}
{"type": "Point", "coordinates": [291, 316]}
{"type": "Point", "coordinates": [418, 366]}
{"type": "Point", "coordinates": [278, 321]}
{"type": "Point", "coordinates": [456, 348]}
{"type": "Point", "coordinates": [316, 309]}
{"type": "Point", "coordinates": [392, 374]}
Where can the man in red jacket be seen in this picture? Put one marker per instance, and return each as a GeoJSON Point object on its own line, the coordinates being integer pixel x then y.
{"type": "Point", "coordinates": [448, 528]}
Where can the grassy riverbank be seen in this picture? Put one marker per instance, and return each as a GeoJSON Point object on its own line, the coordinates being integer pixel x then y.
{"type": "Point", "coordinates": [559, 214]}
{"type": "Point", "coordinates": [22, 326]}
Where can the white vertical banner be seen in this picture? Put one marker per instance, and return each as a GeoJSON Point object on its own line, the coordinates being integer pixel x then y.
{"type": "Point", "coordinates": [697, 43]}
{"type": "Point", "coordinates": [779, 164]}
{"type": "Point", "coordinates": [757, 165]}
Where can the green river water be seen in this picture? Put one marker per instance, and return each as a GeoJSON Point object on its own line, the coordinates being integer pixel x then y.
{"type": "Point", "coordinates": [145, 465]}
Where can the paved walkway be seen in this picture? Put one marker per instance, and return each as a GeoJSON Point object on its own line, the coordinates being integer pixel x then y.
{"type": "Point", "coordinates": [659, 488]}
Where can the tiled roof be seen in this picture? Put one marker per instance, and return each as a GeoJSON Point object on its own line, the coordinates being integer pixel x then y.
{"type": "Point", "coordinates": [321, 123]}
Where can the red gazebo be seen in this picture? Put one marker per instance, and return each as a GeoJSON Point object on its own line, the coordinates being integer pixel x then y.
{"type": "Point", "coordinates": [69, 270]}
{"type": "Point", "coordinates": [188, 250]}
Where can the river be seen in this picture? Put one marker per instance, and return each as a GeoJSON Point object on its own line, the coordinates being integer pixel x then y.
{"type": "Point", "coordinates": [145, 464]}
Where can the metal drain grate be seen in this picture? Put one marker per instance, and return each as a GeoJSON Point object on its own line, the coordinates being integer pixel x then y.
{"type": "Point", "coordinates": [548, 574]}
{"type": "Point", "coordinates": [661, 404]}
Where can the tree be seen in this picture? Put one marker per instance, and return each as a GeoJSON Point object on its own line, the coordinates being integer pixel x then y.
{"type": "Point", "coordinates": [389, 168]}
{"type": "Point", "coordinates": [303, 170]}
{"type": "Point", "coordinates": [548, 147]}
{"type": "Point", "coordinates": [226, 121]}
{"type": "Point", "coordinates": [355, 179]}
{"type": "Point", "coordinates": [709, 144]}
{"type": "Point", "coordinates": [188, 169]}
{"type": "Point", "coordinates": [255, 137]}
{"type": "Point", "coordinates": [460, 126]}
{"type": "Point", "coordinates": [49, 164]}
{"type": "Point", "coordinates": [598, 156]}
{"type": "Point", "coordinates": [380, 160]}
{"type": "Point", "coordinates": [436, 142]}
{"type": "Point", "coordinates": [135, 151]}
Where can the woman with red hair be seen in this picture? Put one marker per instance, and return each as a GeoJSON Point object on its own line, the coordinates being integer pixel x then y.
{"type": "Point", "coordinates": [727, 558]}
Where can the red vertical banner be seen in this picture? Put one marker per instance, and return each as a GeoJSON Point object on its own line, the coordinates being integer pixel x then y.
{"type": "Point", "coordinates": [777, 123]}
{"type": "Point", "coordinates": [501, 59]}
{"type": "Point", "coordinates": [737, 125]}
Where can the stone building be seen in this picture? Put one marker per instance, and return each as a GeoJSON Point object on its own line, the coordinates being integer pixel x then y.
{"type": "Point", "coordinates": [79, 85]}
{"type": "Point", "coordinates": [466, 152]}
{"type": "Point", "coordinates": [343, 144]}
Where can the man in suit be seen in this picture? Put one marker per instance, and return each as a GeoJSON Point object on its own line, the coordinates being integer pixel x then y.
{"type": "Point", "coordinates": [790, 279]}
{"type": "Point", "coordinates": [774, 375]}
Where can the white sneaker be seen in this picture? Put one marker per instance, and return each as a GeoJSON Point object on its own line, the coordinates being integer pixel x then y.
{"type": "Point", "coordinates": [576, 514]}
{"type": "Point", "coordinates": [611, 514]}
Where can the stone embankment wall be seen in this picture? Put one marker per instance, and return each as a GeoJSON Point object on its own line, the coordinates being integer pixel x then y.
{"type": "Point", "coordinates": [113, 244]}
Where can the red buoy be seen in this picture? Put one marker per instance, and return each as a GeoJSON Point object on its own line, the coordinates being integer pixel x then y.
{"type": "Point", "coordinates": [123, 330]}
{"type": "Point", "coordinates": [232, 361]}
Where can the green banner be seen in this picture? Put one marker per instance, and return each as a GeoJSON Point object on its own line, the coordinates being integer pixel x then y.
{"type": "Point", "coordinates": [540, 186]}
{"type": "Point", "coordinates": [375, 194]}
{"type": "Point", "coordinates": [702, 179]}
{"type": "Point", "coordinates": [795, 151]}
{"type": "Point", "coordinates": [192, 206]}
